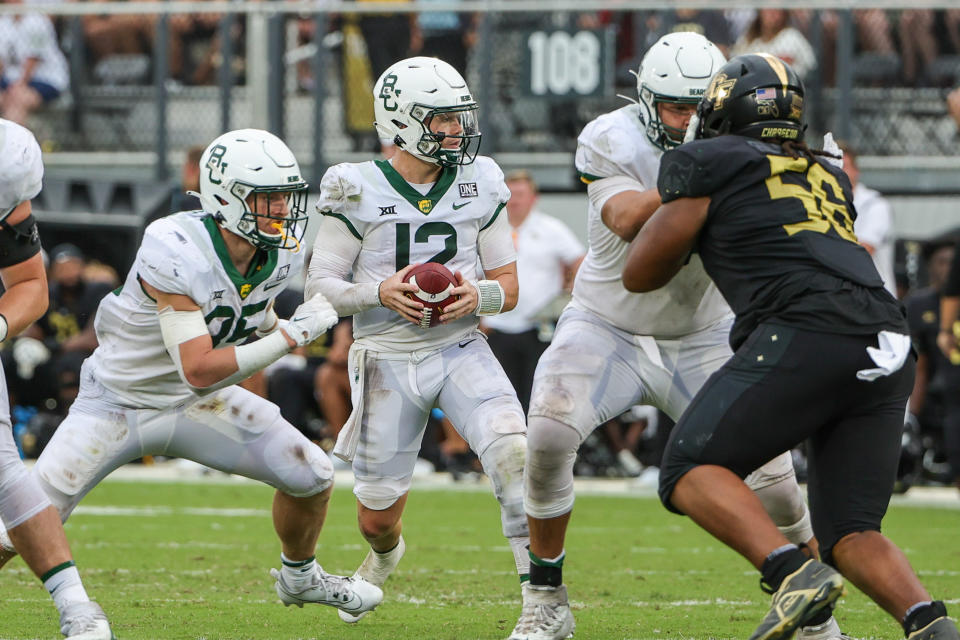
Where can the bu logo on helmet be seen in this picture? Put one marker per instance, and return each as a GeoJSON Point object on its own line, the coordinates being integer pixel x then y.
{"type": "Point", "coordinates": [387, 91]}
{"type": "Point", "coordinates": [215, 163]}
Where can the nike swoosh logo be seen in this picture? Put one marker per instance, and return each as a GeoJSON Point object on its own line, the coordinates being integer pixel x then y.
{"type": "Point", "coordinates": [273, 284]}
{"type": "Point", "coordinates": [466, 342]}
{"type": "Point", "coordinates": [460, 205]}
{"type": "Point", "coordinates": [354, 605]}
{"type": "Point", "coordinates": [299, 319]}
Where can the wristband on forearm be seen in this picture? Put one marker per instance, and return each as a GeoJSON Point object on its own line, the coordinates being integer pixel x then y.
{"type": "Point", "coordinates": [257, 355]}
{"type": "Point", "coordinates": [270, 323]}
{"type": "Point", "coordinates": [491, 297]}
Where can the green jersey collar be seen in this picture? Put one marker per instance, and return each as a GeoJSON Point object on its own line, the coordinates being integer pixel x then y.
{"type": "Point", "coordinates": [423, 203]}
{"type": "Point", "coordinates": [262, 265]}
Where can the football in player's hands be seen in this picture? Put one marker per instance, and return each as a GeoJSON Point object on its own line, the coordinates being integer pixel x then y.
{"type": "Point", "coordinates": [434, 282]}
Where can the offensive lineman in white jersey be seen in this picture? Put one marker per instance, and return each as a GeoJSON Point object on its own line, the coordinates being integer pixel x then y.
{"type": "Point", "coordinates": [163, 379]}
{"type": "Point", "coordinates": [436, 200]}
{"type": "Point", "coordinates": [24, 507]}
{"type": "Point", "coordinates": [614, 349]}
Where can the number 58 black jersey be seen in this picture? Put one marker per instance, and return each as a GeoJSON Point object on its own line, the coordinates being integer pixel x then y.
{"type": "Point", "coordinates": [778, 240]}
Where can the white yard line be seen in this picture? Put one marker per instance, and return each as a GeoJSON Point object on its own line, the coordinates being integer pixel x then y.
{"type": "Point", "coordinates": [179, 472]}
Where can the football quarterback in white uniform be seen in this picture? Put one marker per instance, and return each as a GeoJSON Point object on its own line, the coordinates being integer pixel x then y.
{"type": "Point", "coordinates": [34, 524]}
{"type": "Point", "coordinates": [162, 380]}
{"type": "Point", "coordinates": [435, 201]}
{"type": "Point", "coordinates": [614, 349]}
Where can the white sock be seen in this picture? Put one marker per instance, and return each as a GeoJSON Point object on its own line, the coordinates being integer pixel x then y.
{"type": "Point", "coordinates": [63, 583]}
{"type": "Point", "coordinates": [298, 573]}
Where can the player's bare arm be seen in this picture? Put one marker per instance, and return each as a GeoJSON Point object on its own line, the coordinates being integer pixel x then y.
{"type": "Point", "coordinates": [626, 212]}
{"type": "Point", "coordinates": [470, 296]}
{"type": "Point", "coordinates": [26, 297]}
{"type": "Point", "coordinates": [203, 366]}
{"type": "Point", "coordinates": [393, 295]}
{"type": "Point", "coordinates": [662, 246]}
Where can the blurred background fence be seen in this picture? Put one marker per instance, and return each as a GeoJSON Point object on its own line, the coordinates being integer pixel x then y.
{"type": "Point", "coordinates": [141, 83]}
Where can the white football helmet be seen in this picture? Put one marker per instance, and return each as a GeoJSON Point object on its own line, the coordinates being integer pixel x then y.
{"type": "Point", "coordinates": [410, 94]}
{"type": "Point", "coordinates": [250, 161]}
{"type": "Point", "coordinates": [21, 167]}
{"type": "Point", "coordinates": [676, 69]}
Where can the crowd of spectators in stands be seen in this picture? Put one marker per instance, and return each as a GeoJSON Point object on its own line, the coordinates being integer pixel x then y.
{"type": "Point", "coordinates": [911, 38]}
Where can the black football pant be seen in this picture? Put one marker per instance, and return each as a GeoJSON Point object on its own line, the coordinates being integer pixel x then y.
{"type": "Point", "coordinates": [783, 386]}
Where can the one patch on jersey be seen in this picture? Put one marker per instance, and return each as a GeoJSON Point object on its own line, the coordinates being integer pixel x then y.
{"type": "Point", "coordinates": [468, 189]}
{"type": "Point", "coordinates": [677, 170]}
{"type": "Point", "coordinates": [281, 276]}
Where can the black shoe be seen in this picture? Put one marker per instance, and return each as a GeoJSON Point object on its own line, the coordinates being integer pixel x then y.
{"type": "Point", "coordinates": [803, 594]}
{"type": "Point", "coordinates": [943, 628]}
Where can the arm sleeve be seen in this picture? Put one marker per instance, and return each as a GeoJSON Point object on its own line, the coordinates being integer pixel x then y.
{"type": "Point", "coordinates": [495, 243]}
{"type": "Point", "coordinates": [334, 253]}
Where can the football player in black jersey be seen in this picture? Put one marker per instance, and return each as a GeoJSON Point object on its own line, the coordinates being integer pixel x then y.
{"type": "Point", "coordinates": [821, 351]}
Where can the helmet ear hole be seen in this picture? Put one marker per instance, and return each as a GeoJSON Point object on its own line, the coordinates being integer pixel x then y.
{"type": "Point", "coordinates": [220, 199]}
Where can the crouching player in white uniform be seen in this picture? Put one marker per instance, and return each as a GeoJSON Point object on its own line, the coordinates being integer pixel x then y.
{"type": "Point", "coordinates": [435, 201]}
{"type": "Point", "coordinates": [33, 522]}
{"type": "Point", "coordinates": [162, 381]}
{"type": "Point", "coordinates": [614, 349]}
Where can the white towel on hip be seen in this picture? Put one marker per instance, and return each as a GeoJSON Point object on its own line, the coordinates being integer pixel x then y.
{"type": "Point", "coordinates": [349, 437]}
{"type": "Point", "coordinates": [889, 358]}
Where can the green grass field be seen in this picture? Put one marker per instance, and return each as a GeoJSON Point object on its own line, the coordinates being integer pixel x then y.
{"type": "Point", "coordinates": [191, 560]}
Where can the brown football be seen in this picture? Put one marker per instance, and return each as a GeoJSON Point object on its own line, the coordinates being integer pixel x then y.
{"type": "Point", "coordinates": [435, 282]}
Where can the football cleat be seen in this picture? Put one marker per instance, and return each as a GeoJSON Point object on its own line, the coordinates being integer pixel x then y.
{"type": "Point", "coordinates": [545, 615]}
{"type": "Point", "coordinates": [803, 594]}
{"type": "Point", "coordinates": [354, 595]}
{"type": "Point", "coordinates": [829, 630]}
{"type": "Point", "coordinates": [85, 621]}
{"type": "Point", "coordinates": [943, 628]}
{"type": "Point", "coordinates": [375, 569]}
